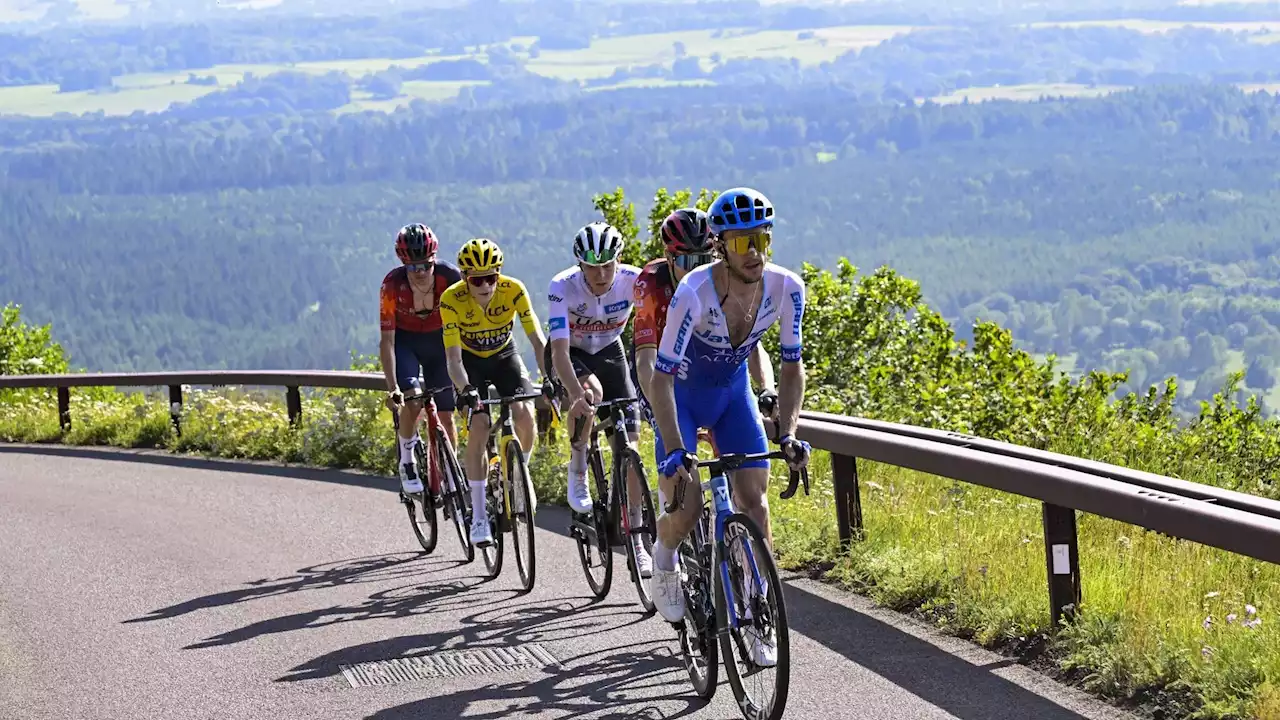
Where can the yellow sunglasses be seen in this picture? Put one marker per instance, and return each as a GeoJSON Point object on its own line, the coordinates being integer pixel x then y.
{"type": "Point", "coordinates": [739, 245]}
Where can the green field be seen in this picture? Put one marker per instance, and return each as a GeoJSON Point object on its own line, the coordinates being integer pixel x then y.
{"type": "Point", "coordinates": [608, 54]}
{"type": "Point", "coordinates": [1029, 93]}
{"type": "Point", "coordinates": [1160, 26]}
{"type": "Point", "coordinates": [154, 92]}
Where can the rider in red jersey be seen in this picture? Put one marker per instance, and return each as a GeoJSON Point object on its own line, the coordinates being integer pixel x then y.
{"type": "Point", "coordinates": [412, 343]}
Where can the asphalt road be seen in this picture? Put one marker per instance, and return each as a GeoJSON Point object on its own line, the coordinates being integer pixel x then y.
{"type": "Point", "coordinates": [145, 585]}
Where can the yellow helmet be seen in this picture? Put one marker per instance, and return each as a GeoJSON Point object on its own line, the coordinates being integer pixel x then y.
{"type": "Point", "coordinates": [480, 255]}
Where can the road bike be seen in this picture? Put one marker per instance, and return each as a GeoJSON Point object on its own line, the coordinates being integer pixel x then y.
{"type": "Point", "coordinates": [509, 490]}
{"type": "Point", "coordinates": [446, 488]}
{"type": "Point", "coordinates": [724, 549]}
{"type": "Point", "coordinates": [609, 522]}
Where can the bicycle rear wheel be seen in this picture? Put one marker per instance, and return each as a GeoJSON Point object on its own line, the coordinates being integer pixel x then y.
{"type": "Point", "coordinates": [454, 493]}
{"type": "Point", "coordinates": [421, 508]}
{"type": "Point", "coordinates": [594, 550]}
{"type": "Point", "coordinates": [646, 531]}
{"type": "Point", "coordinates": [756, 594]}
{"type": "Point", "coordinates": [522, 510]}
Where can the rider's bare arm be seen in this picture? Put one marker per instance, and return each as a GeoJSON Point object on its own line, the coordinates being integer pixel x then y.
{"type": "Point", "coordinates": [791, 391]}
{"type": "Point", "coordinates": [532, 328]}
{"type": "Point", "coordinates": [387, 352]}
{"type": "Point", "coordinates": [761, 368]}
{"type": "Point", "coordinates": [644, 369]}
{"type": "Point", "coordinates": [457, 371]}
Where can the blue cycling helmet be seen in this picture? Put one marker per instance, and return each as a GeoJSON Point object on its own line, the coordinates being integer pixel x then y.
{"type": "Point", "coordinates": [740, 209]}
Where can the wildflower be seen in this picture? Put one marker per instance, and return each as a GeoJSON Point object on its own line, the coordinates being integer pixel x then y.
{"type": "Point", "coordinates": [1231, 618]}
{"type": "Point", "coordinates": [1208, 622]}
{"type": "Point", "coordinates": [1250, 610]}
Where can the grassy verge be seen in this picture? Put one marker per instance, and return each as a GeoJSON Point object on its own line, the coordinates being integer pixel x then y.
{"type": "Point", "coordinates": [1167, 626]}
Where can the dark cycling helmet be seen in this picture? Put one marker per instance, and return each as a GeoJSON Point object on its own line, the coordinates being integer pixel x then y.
{"type": "Point", "coordinates": [685, 232]}
{"type": "Point", "coordinates": [415, 243]}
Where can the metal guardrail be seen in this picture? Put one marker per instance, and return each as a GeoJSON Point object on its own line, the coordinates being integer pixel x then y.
{"type": "Point", "coordinates": [1224, 519]}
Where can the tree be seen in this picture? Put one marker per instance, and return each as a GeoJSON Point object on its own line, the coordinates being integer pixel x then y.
{"type": "Point", "coordinates": [27, 349]}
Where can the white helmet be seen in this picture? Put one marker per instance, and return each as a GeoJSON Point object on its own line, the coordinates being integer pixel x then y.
{"type": "Point", "coordinates": [597, 243]}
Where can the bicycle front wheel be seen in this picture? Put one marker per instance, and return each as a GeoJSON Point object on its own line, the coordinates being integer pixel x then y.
{"type": "Point", "coordinates": [757, 654]}
{"type": "Point", "coordinates": [422, 509]}
{"type": "Point", "coordinates": [592, 535]}
{"type": "Point", "coordinates": [522, 510]}
{"type": "Point", "coordinates": [454, 493]}
{"type": "Point", "coordinates": [646, 531]}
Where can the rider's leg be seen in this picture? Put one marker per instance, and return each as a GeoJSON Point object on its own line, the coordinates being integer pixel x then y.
{"type": "Point", "coordinates": [740, 430]}
{"type": "Point", "coordinates": [407, 369]}
{"type": "Point", "coordinates": [579, 490]}
{"type": "Point", "coordinates": [673, 528]}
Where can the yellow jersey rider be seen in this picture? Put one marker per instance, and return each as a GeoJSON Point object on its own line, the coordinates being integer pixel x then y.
{"type": "Point", "coordinates": [478, 315]}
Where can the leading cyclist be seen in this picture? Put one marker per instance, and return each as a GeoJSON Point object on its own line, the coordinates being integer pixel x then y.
{"type": "Point", "coordinates": [479, 322]}
{"type": "Point", "coordinates": [687, 244]}
{"type": "Point", "coordinates": [409, 316]}
{"type": "Point", "coordinates": [718, 315]}
{"type": "Point", "coordinates": [590, 304]}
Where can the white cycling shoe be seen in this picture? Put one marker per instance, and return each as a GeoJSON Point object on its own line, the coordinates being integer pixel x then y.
{"type": "Point", "coordinates": [668, 596]}
{"type": "Point", "coordinates": [644, 561]}
{"type": "Point", "coordinates": [481, 533]}
{"type": "Point", "coordinates": [579, 493]}
{"type": "Point", "coordinates": [410, 483]}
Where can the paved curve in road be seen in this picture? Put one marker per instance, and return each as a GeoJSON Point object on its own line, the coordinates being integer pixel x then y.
{"type": "Point", "coordinates": [147, 585]}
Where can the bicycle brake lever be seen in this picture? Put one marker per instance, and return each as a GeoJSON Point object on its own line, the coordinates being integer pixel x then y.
{"type": "Point", "coordinates": [791, 485]}
{"type": "Point", "coordinates": [804, 475]}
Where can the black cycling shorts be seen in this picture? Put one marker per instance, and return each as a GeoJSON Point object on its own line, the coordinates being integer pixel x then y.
{"type": "Point", "coordinates": [611, 368]}
{"type": "Point", "coordinates": [504, 369]}
{"type": "Point", "coordinates": [421, 365]}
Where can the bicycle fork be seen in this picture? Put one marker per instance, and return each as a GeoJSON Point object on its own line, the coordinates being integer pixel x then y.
{"type": "Point", "coordinates": [724, 509]}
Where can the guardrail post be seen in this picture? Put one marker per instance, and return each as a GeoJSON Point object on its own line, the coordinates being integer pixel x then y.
{"type": "Point", "coordinates": [844, 475]}
{"type": "Point", "coordinates": [175, 408]}
{"type": "Point", "coordinates": [64, 408]}
{"type": "Point", "coordinates": [293, 399]}
{"type": "Point", "coordinates": [1062, 560]}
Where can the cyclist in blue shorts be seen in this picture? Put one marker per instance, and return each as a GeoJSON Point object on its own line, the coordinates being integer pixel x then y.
{"type": "Point", "coordinates": [718, 315]}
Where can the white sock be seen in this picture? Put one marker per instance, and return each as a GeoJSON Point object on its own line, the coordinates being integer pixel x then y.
{"type": "Point", "coordinates": [406, 449]}
{"type": "Point", "coordinates": [527, 453]}
{"type": "Point", "coordinates": [577, 461]}
{"type": "Point", "coordinates": [477, 499]}
{"type": "Point", "coordinates": [663, 559]}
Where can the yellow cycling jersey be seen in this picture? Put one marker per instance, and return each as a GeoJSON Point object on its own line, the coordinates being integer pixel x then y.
{"type": "Point", "coordinates": [479, 330]}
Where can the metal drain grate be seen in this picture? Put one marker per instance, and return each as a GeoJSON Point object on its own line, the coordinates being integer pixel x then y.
{"type": "Point", "coordinates": [449, 663]}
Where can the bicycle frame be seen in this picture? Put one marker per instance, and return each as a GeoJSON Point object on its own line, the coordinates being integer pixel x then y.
{"type": "Point", "coordinates": [721, 509]}
{"type": "Point", "coordinates": [499, 437]}
{"type": "Point", "coordinates": [614, 428]}
{"type": "Point", "coordinates": [430, 413]}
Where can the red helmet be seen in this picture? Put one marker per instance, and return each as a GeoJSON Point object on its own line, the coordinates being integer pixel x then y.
{"type": "Point", "coordinates": [685, 232]}
{"type": "Point", "coordinates": [415, 243]}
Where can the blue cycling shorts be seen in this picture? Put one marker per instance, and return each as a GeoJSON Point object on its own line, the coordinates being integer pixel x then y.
{"type": "Point", "coordinates": [728, 411]}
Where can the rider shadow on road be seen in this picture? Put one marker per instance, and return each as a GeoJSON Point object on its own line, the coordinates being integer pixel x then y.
{"type": "Point", "coordinates": [619, 682]}
{"type": "Point", "coordinates": [368, 569]}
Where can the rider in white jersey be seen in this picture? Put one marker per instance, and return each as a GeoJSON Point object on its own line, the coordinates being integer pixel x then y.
{"type": "Point", "coordinates": [590, 306]}
{"type": "Point", "coordinates": [717, 316]}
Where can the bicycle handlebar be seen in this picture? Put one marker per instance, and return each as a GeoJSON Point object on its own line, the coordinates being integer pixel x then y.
{"type": "Point", "coordinates": [733, 461]}
{"type": "Point", "coordinates": [512, 399]}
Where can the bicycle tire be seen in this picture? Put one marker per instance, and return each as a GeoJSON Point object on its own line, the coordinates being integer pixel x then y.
{"type": "Point", "coordinates": [648, 530]}
{"type": "Point", "coordinates": [774, 707]}
{"type": "Point", "coordinates": [493, 552]}
{"type": "Point", "coordinates": [424, 501]}
{"type": "Point", "coordinates": [599, 519]}
{"type": "Point", "coordinates": [700, 605]}
{"type": "Point", "coordinates": [455, 494]}
{"type": "Point", "coordinates": [522, 509]}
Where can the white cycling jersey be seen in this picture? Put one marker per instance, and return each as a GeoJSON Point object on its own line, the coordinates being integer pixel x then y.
{"type": "Point", "coordinates": [695, 342]}
{"type": "Point", "coordinates": [589, 321]}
